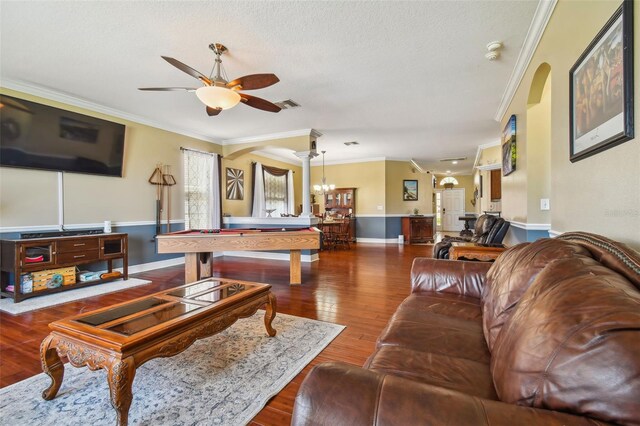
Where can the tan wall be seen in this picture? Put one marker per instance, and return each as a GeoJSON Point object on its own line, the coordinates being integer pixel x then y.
{"type": "Point", "coordinates": [466, 182]}
{"type": "Point", "coordinates": [368, 178]}
{"type": "Point", "coordinates": [396, 172]}
{"type": "Point", "coordinates": [243, 207]}
{"type": "Point", "coordinates": [600, 193]}
{"type": "Point", "coordinates": [29, 197]}
{"type": "Point", "coordinates": [538, 155]}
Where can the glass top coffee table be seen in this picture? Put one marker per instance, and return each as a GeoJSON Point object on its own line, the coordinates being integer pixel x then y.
{"type": "Point", "coordinates": [122, 337]}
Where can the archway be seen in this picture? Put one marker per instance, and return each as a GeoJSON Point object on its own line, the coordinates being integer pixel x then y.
{"type": "Point", "coordinates": [538, 146]}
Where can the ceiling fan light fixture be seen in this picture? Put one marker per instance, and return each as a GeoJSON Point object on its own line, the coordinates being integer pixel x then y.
{"type": "Point", "coordinates": [218, 97]}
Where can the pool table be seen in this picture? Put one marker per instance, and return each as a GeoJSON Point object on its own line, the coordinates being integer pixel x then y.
{"type": "Point", "coordinates": [197, 245]}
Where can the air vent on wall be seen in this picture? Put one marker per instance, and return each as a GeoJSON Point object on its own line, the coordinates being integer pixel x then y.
{"type": "Point", "coordinates": [351, 143]}
{"type": "Point", "coordinates": [288, 104]}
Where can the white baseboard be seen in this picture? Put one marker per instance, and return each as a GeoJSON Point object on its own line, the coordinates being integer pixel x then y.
{"type": "Point", "coordinates": [377, 240]}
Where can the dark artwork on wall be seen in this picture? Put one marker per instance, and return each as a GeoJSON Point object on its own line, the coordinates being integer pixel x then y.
{"type": "Point", "coordinates": [601, 89]}
{"type": "Point", "coordinates": [509, 147]}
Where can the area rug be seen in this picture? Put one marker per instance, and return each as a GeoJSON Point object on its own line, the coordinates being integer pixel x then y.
{"type": "Point", "coordinates": [225, 379]}
{"type": "Point", "coordinates": [40, 302]}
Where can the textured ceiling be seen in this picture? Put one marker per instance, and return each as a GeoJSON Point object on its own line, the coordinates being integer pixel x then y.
{"type": "Point", "coordinates": [404, 79]}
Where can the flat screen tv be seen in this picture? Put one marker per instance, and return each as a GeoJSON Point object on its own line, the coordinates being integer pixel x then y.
{"type": "Point", "coordinates": [38, 136]}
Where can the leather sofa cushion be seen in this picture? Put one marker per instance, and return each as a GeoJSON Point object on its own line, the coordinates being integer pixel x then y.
{"type": "Point", "coordinates": [463, 375]}
{"type": "Point", "coordinates": [573, 344]}
{"type": "Point", "coordinates": [444, 324]}
{"type": "Point", "coordinates": [512, 274]}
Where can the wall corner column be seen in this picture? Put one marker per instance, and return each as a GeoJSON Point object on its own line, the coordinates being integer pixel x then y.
{"type": "Point", "coordinates": [306, 157]}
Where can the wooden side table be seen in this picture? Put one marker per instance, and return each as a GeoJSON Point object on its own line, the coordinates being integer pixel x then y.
{"type": "Point", "coordinates": [474, 251]}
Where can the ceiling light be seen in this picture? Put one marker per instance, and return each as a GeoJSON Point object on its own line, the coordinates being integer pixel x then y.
{"type": "Point", "coordinates": [448, 171]}
{"type": "Point", "coordinates": [493, 48]}
{"type": "Point", "coordinates": [323, 188]}
{"type": "Point", "coordinates": [454, 162]}
{"type": "Point", "coordinates": [218, 97]}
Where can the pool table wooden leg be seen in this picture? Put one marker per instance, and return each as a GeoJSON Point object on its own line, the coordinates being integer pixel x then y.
{"type": "Point", "coordinates": [294, 265]}
{"type": "Point", "coordinates": [191, 267]}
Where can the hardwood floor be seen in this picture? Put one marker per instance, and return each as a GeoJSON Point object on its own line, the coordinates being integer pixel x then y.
{"type": "Point", "coordinates": [359, 288]}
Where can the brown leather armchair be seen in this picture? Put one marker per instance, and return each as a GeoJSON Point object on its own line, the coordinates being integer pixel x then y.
{"type": "Point", "coordinates": [549, 334]}
{"type": "Point", "coordinates": [489, 229]}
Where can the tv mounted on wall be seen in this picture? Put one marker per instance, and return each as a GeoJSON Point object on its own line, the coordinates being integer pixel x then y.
{"type": "Point", "coordinates": [38, 136]}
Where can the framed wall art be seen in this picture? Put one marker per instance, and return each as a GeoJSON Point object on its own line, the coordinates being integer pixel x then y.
{"type": "Point", "coordinates": [601, 89]}
{"type": "Point", "coordinates": [235, 184]}
{"type": "Point", "coordinates": [410, 190]}
{"type": "Point", "coordinates": [509, 147]}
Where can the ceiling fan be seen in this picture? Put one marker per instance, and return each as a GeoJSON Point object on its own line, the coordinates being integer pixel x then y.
{"type": "Point", "coordinates": [217, 92]}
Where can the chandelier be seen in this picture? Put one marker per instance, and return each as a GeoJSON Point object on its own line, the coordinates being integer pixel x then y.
{"type": "Point", "coordinates": [323, 188]}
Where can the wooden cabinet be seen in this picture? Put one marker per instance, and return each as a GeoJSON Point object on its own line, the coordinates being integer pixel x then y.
{"type": "Point", "coordinates": [341, 202]}
{"type": "Point", "coordinates": [418, 229]}
{"type": "Point", "coordinates": [26, 258]}
{"type": "Point", "coordinates": [496, 185]}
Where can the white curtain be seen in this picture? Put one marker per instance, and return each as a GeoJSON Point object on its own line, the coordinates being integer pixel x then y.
{"type": "Point", "coordinates": [291, 206]}
{"type": "Point", "coordinates": [202, 190]}
{"type": "Point", "coordinates": [215, 204]}
{"type": "Point", "coordinates": [259, 204]}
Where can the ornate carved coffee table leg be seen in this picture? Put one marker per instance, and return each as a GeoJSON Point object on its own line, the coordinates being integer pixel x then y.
{"type": "Point", "coordinates": [270, 314]}
{"type": "Point", "coordinates": [121, 374]}
{"type": "Point", "coordinates": [52, 365]}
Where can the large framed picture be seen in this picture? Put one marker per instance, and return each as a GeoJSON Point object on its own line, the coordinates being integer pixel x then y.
{"type": "Point", "coordinates": [410, 190]}
{"type": "Point", "coordinates": [235, 184]}
{"type": "Point", "coordinates": [509, 147]}
{"type": "Point", "coordinates": [601, 89]}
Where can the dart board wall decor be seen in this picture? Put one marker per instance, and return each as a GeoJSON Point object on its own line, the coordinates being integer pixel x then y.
{"type": "Point", "coordinates": [235, 184]}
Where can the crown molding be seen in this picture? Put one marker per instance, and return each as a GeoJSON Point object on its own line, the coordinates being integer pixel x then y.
{"type": "Point", "coordinates": [536, 29]}
{"type": "Point", "coordinates": [35, 90]}
{"type": "Point", "coordinates": [280, 135]}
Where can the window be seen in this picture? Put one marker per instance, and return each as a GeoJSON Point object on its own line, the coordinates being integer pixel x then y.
{"type": "Point", "coordinates": [450, 180]}
{"type": "Point", "coordinates": [275, 193]}
{"type": "Point", "coordinates": [201, 190]}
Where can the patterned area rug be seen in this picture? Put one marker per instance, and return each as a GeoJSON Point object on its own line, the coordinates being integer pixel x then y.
{"type": "Point", "coordinates": [40, 302]}
{"type": "Point", "coordinates": [225, 379]}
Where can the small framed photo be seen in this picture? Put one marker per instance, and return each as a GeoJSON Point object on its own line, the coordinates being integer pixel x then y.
{"type": "Point", "coordinates": [601, 89]}
{"type": "Point", "coordinates": [410, 190]}
{"type": "Point", "coordinates": [509, 153]}
{"type": "Point", "coordinates": [235, 184]}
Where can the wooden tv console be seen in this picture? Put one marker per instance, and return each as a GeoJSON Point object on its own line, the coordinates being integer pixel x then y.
{"type": "Point", "coordinates": [58, 252]}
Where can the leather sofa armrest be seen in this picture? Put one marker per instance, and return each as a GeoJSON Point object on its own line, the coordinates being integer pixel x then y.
{"type": "Point", "coordinates": [341, 394]}
{"type": "Point", "coordinates": [448, 276]}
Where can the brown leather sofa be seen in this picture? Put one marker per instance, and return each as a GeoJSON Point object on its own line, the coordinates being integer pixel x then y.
{"type": "Point", "coordinates": [489, 229]}
{"type": "Point", "coordinates": [547, 335]}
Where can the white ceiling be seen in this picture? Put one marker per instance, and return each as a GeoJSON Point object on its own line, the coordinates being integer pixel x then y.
{"type": "Point", "coordinates": [404, 79]}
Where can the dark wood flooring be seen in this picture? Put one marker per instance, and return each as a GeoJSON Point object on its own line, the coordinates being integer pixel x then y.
{"type": "Point", "coordinates": [359, 288]}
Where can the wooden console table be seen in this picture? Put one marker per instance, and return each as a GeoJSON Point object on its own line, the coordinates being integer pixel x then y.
{"type": "Point", "coordinates": [122, 337]}
{"type": "Point", "coordinates": [418, 229]}
{"type": "Point", "coordinates": [474, 251]}
{"type": "Point", "coordinates": [31, 255]}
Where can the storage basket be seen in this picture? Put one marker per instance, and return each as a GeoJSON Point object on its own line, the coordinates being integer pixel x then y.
{"type": "Point", "coordinates": [42, 278]}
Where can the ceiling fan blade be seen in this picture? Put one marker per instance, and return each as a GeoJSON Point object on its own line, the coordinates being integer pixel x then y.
{"type": "Point", "coordinates": [213, 111]}
{"type": "Point", "coordinates": [254, 81]}
{"type": "Point", "coordinates": [168, 89]}
{"type": "Point", "coordinates": [187, 69]}
{"type": "Point", "coordinates": [259, 103]}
